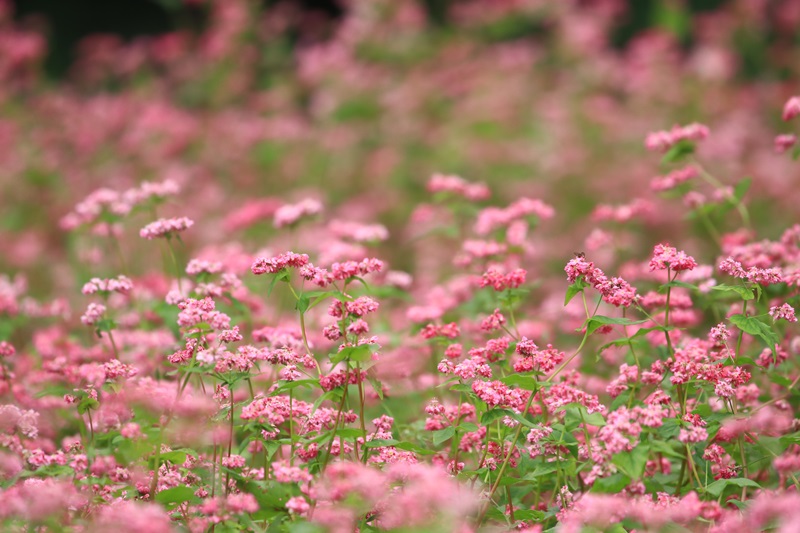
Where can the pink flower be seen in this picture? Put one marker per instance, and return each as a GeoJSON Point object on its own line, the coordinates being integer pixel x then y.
{"type": "Point", "coordinates": [165, 227]}
{"type": "Point", "coordinates": [457, 186]}
{"type": "Point", "coordinates": [6, 349]}
{"type": "Point", "coordinates": [665, 256]}
{"type": "Point", "coordinates": [784, 142]}
{"type": "Point", "coordinates": [661, 141]}
{"type": "Point", "coordinates": [784, 311]}
{"type": "Point", "coordinates": [290, 214]}
{"type": "Point", "coordinates": [792, 108]}
{"type": "Point", "coordinates": [274, 265]}
{"type": "Point", "coordinates": [298, 505]}
{"type": "Point", "coordinates": [673, 179]}
{"type": "Point", "coordinates": [120, 284]}
{"type": "Point", "coordinates": [94, 313]}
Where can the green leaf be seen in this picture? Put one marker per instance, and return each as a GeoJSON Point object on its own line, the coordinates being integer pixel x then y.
{"type": "Point", "coordinates": [575, 289]}
{"type": "Point", "coordinates": [744, 292]}
{"type": "Point", "coordinates": [665, 448]}
{"type": "Point", "coordinates": [529, 514]}
{"type": "Point", "coordinates": [380, 443]}
{"type": "Point", "coordinates": [290, 385]}
{"type": "Point", "coordinates": [542, 470]}
{"type": "Point", "coordinates": [718, 487]}
{"type": "Point", "coordinates": [409, 447]}
{"type": "Point", "coordinates": [86, 404]}
{"type": "Point", "coordinates": [612, 484]}
{"type": "Point", "coordinates": [376, 386]}
{"type": "Point", "coordinates": [598, 321]}
{"type": "Point", "coordinates": [177, 495]}
{"type": "Point", "coordinates": [494, 414]}
{"type": "Point", "coordinates": [757, 328]}
{"type": "Point", "coordinates": [578, 413]}
{"type": "Point", "coordinates": [106, 324]}
{"type": "Point", "coordinates": [283, 275]}
{"type": "Point", "coordinates": [358, 354]}
{"type": "Point", "coordinates": [632, 463]}
{"type": "Point", "coordinates": [624, 341]}
{"type": "Point", "coordinates": [443, 434]}
{"type": "Point", "coordinates": [522, 381]}
{"type": "Point", "coordinates": [681, 284]}
{"type": "Point", "coordinates": [678, 151]}
{"type": "Point", "coordinates": [174, 457]}
{"type": "Point", "coordinates": [309, 300]}
{"type": "Point", "coordinates": [741, 189]}
{"type": "Point", "coordinates": [467, 426]}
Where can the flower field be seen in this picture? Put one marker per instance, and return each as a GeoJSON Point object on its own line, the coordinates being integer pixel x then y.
{"type": "Point", "coordinates": [520, 270]}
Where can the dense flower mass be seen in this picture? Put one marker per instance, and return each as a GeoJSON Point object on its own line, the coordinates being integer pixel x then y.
{"type": "Point", "coordinates": [368, 327]}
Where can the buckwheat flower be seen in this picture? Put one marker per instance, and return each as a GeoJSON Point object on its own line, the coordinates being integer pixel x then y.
{"type": "Point", "coordinates": [784, 142]}
{"type": "Point", "coordinates": [526, 347]}
{"type": "Point", "coordinates": [332, 332]}
{"type": "Point", "coordinates": [724, 389]}
{"type": "Point", "coordinates": [500, 282]}
{"type": "Point", "coordinates": [94, 313]}
{"type": "Point", "coordinates": [577, 267]}
{"type": "Point", "coordinates": [673, 179]}
{"type": "Point", "coordinates": [719, 334]}
{"type": "Point", "coordinates": [732, 267]}
{"type": "Point", "coordinates": [318, 276]}
{"type": "Point", "coordinates": [791, 108]}
{"type": "Point", "coordinates": [297, 505]}
{"type": "Point", "coordinates": [434, 408]}
{"type": "Point", "coordinates": [6, 349]}
{"type": "Point", "coordinates": [449, 331]}
{"type": "Point", "coordinates": [120, 284]}
{"type": "Point", "coordinates": [538, 433]}
{"type": "Point", "coordinates": [661, 141]}
{"type": "Point", "coordinates": [692, 434]}
{"type": "Point", "coordinates": [617, 292]}
{"type": "Point", "coordinates": [458, 186]}
{"type": "Point", "coordinates": [764, 276]}
{"type": "Point", "coordinates": [784, 311]}
{"type": "Point", "coordinates": [493, 322]}
{"type": "Point", "coordinates": [165, 227]}
{"type": "Point", "coordinates": [362, 306]}
{"type": "Point", "coordinates": [290, 214]}
{"type": "Point", "coordinates": [358, 327]}
{"type": "Point", "coordinates": [453, 351]}
{"type": "Point", "coordinates": [243, 502]}
{"type": "Point", "coordinates": [201, 266]}
{"type": "Point", "coordinates": [230, 335]}
{"type": "Point", "coordinates": [694, 199]}
{"type": "Point", "coordinates": [273, 265]}
{"type": "Point", "coordinates": [233, 461]}
{"type": "Point", "coordinates": [131, 430]}
{"type": "Point", "coordinates": [665, 256]}
{"type": "Point", "coordinates": [358, 232]}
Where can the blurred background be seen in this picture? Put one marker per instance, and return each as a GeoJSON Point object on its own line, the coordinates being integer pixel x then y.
{"type": "Point", "coordinates": [248, 105]}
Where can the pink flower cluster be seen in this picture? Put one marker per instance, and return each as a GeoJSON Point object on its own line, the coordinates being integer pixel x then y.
{"type": "Point", "coordinates": [673, 179]}
{"type": "Point", "coordinates": [120, 284]}
{"type": "Point", "coordinates": [456, 185]}
{"type": "Point", "coordinates": [165, 227]}
{"type": "Point", "coordinates": [661, 141]}
{"type": "Point", "coordinates": [615, 291]}
{"type": "Point", "coordinates": [500, 282]}
{"type": "Point", "coordinates": [493, 218]}
{"type": "Point", "coordinates": [290, 214]}
{"type": "Point", "coordinates": [273, 265]}
{"type": "Point", "coordinates": [667, 257]}
{"type": "Point", "coordinates": [762, 276]}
